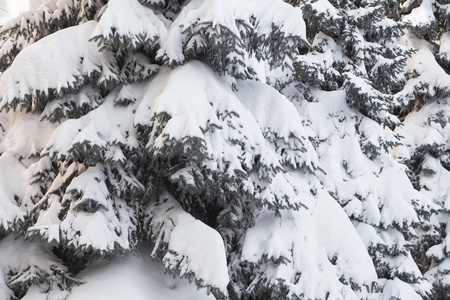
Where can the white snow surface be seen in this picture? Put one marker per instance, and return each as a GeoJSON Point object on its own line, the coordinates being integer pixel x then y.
{"type": "Point", "coordinates": [422, 15]}
{"type": "Point", "coordinates": [12, 185]}
{"type": "Point", "coordinates": [25, 124]}
{"type": "Point", "coordinates": [27, 259]}
{"type": "Point", "coordinates": [132, 277]}
{"type": "Point", "coordinates": [444, 45]}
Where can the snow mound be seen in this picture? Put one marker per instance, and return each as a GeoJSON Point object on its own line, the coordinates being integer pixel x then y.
{"type": "Point", "coordinates": [128, 277]}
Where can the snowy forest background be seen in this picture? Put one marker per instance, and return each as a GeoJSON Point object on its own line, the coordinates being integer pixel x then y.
{"type": "Point", "coordinates": [253, 149]}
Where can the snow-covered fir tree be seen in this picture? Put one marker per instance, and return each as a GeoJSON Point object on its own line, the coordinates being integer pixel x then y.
{"type": "Point", "coordinates": [354, 48]}
{"type": "Point", "coordinates": [425, 147]}
{"type": "Point", "coordinates": [241, 145]}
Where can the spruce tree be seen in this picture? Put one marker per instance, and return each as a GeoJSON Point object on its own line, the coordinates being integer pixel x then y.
{"type": "Point", "coordinates": [231, 142]}
{"type": "Point", "coordinates": [425, 151]}
{"type": "Point", "coordinates": [139, 140]}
